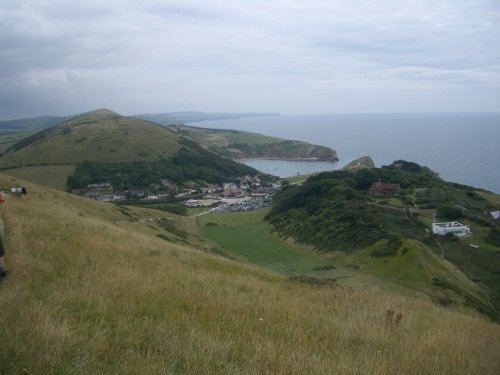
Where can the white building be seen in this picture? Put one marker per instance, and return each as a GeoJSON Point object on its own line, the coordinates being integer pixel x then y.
{"type": "Point", "coordinates": [454, 227]}
{"type": "Point", "coordinates": [229, 186]}
{"type": "Point", "coordinates": [495, 213]}
{"type": "Point", "coordinates": [192, 203]}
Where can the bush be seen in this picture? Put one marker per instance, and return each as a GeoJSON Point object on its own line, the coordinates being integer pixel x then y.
{"type": "Point", "coordinates": [493, 237]}
{"type": "Point", "coordinates": [450, 237]}
{"type": "Point", "coordinates": [449, 212]}
{"type": "Point", "coordinates": [479, 220]}
{"type": "Point", "coordinates": [178, 209]}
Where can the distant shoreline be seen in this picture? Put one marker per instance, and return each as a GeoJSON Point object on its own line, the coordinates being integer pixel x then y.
{"type": "Point", "coordinates": [336, 160]}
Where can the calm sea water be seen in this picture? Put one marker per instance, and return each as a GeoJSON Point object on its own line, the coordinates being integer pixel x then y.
{"type": "Point", "coordinates": [461, 147]}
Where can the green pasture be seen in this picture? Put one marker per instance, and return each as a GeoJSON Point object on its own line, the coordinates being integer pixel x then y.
{"type": "Point", "coordinates": [246, 236]}
{"type": "Point", "coordinates": [192, 211]}
{"type": "Point", "coordinates": [299, 179]}
{"type": "Point", "coordinates": [246, 137]}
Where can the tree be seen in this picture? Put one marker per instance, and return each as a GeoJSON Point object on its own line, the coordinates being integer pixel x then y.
{"type": "Point", "coordinates": [449, 212]}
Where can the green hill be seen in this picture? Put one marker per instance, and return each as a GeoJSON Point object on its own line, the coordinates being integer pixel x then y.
{"type": "Point", "coordinates": [229, 143]}
{"type": "Point", "coordinates": [390, 235]}
{"type": "Point", "coordinates": [129, 152]}
{"type": "Point", "coordinates": [245, 145]}
{"type": "Point", "coordinates": [101, 136]}
{"type": "Point", "coordinates": [93, 289]}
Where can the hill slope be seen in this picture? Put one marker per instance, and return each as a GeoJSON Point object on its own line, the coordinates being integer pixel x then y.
{"type": "Point", "coordinates": [230, 143]}
{"type": "Point", "coordinates": [390, 236]}
{"type": "Point", "coordinates": [92, 292]}
{"type": "Point", "coordinates": [244, 145]}
{"type": "Point", "coordinates": [96, 136]}
{"type": "Point", "coordinates": [128, 152]}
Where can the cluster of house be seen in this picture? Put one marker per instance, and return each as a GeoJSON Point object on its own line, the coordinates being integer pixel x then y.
{"type": "Point", "coordinates": [247, 185]}
{"type": "Point", "coordinates": [380, 188]}
{"type": "Point", "coordinates": [232, 194]}
{"type": "Point", "coordinates": [106, 193]}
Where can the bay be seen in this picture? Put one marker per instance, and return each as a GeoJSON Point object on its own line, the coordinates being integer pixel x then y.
{"type": "Point", "coordinates": [461, 147]}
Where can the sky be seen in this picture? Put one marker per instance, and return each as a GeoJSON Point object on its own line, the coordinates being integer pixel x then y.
{"type": "Point", "coordinates": [289, 56]}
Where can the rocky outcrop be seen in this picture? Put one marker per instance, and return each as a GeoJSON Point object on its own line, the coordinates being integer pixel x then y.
{"type": "Point", "coordinates": [364, 162]}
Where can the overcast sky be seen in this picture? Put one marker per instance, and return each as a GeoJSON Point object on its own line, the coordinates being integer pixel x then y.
{"type": "Point", "coordinates": [291, 56]}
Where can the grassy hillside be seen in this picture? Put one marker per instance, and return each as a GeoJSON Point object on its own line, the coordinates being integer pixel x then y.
{"type": "Point", "coordinates": [244, 145]}
{"type": "Point", "coordinates": [390, 235]}
{"type": "Point", "coordinates": [92, 291]}
{"type": "Point", "coordinates": [96, 136]}
{"type": "Point", "coordinates": [107, 147]}
{"type": "Point", "coordinates": [247, 237]}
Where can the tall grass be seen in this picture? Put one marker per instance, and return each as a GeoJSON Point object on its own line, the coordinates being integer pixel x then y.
{"type": "Point", "coordinates": [86, 296]}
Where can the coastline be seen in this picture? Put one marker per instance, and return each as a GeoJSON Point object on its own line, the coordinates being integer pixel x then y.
{"type": "Point", "coordinates": [336, 160]}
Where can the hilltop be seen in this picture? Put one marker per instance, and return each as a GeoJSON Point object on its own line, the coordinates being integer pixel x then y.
{"type": "Point", "coordinates": [131, 153]}
{"type": "Point", "coordinates": [93, 289]}
{"type": "Point", "coordinates": [100, 135]}
{"type": "Point", "coordinates": [364, 162]}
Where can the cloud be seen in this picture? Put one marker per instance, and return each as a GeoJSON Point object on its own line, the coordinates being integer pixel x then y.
{"type": "Point", "coordinates": [276, 55]}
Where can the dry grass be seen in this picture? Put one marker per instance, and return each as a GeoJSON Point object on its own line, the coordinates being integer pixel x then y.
{"type": "Point", "coordinates": [86, 296]}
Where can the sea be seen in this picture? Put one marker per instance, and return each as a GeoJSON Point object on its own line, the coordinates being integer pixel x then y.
{"type": "Point", "coordinates": [460, 147]}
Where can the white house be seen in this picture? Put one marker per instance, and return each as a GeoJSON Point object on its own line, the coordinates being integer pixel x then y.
{"type": "Point", "coordinates": [229, 186]}
{"type": "Point", "coordinates": [192, 202]}
{"type": "Point", "coordinates": [454, 227]}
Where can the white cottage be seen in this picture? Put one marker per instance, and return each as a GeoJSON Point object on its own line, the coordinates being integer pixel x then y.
{"type": "Point", "coordinates": [454, 227]}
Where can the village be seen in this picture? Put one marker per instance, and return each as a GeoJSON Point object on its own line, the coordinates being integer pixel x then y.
{"type": "Point", "coordinates": [242, 194]}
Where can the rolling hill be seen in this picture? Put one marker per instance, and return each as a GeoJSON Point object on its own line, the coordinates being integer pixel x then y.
{"type": "Point", "coordinates": [93, 289]}
{"type": "Point", "coordinates": [229, 143]}
{"type": "Point", "coordinates": [237, 144]}
{"type": "Point", "coordinates": [100, 135]}
{"type": "Point", "coordinates": [131, 152]}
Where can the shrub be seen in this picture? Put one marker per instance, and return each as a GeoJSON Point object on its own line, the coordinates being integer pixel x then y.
{"type": "Point", "coordinates": [493, 237]}
{"type": "Point", "coordinates": [479, 220]}
{"type": "Point", "coordinates": [449, 212]}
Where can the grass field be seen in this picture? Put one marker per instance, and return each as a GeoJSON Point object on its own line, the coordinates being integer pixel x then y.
{"type": "Point", "coordinates": [246, 236]}
{"type": "Point", "coordinates": [92, 292]}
